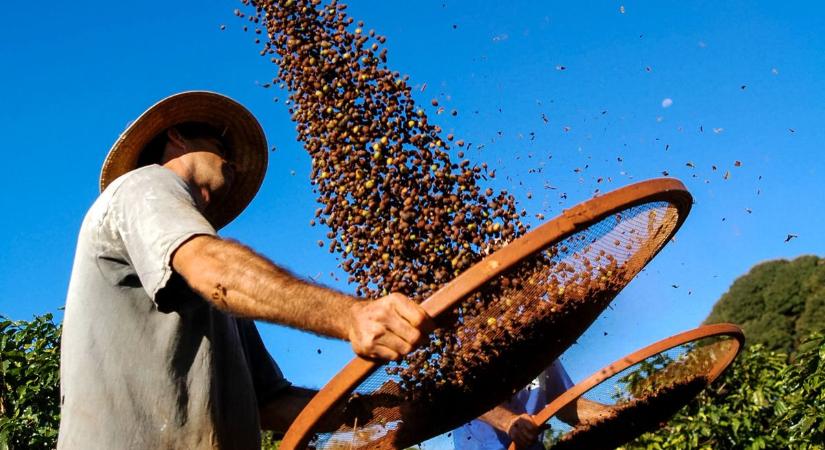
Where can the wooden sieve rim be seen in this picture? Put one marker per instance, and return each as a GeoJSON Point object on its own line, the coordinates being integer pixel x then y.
{"type": "Point", "coordinates": [706, 331]}
{"type": "Point", "coordinates": [569, 222]}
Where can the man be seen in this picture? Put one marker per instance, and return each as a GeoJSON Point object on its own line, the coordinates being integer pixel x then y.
{"type": "Point", "coordinates": [159, 349]}
{"type": "Point", "coordinates": [511, 422]}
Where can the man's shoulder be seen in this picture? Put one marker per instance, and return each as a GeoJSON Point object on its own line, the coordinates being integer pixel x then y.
{"type": "Point", "coordinates": [129, 188]}
{"type": "Point", "coordinates": [142, 177]}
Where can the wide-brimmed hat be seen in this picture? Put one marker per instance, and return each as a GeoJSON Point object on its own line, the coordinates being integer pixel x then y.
{"type": "Point", "coordinates": [244, 138]}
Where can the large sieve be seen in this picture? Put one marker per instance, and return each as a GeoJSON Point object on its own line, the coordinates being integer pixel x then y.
{"type": "Point", "coordinates": [499, 323]}
{"type": "Point", "coordinates": [643, 389]}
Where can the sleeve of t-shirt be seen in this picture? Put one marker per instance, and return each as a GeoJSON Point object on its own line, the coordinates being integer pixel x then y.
{"type": "Point", "coordinates": [557, 380]}
{"type": "Point", "coordinates": [266, 375]}
{"type": "Point", "coordinates": [154, 213]}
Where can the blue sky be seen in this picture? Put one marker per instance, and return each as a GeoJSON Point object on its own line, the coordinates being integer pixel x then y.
{"type": "Point", "coordinates": [743, 79]}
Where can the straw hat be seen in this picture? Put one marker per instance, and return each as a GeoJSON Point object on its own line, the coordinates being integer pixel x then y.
{"type": "Point", "coordinates": [244, 137]}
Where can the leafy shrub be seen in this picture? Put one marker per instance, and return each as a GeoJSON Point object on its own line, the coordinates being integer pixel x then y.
{"type": "Point", "coordinates": [29, 383]}
{"type": "Point", "coordinates": [762, 402]}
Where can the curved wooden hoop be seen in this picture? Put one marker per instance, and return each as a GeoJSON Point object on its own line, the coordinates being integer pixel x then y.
{"type": "Point", "coordinates": [570, 221]}
{"type": "Point", "coordinates": [572, 394]}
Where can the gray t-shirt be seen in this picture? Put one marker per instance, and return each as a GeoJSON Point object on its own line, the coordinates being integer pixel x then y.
{"type": "Point", "coordinates": [145, 362]}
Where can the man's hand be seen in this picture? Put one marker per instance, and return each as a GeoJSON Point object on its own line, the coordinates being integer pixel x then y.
{"type": "Point", "coordinates": [387, 328]}
{"type": "Point", "coordinates": [519, 427]}
{"type": "Point", "coordinates": [523, 431]}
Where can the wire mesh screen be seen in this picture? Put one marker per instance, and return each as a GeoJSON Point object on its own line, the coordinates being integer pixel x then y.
{"type": "Point", "coordinates": [523, 318]}
{"type": "Point", "coordinates": [644, 396]}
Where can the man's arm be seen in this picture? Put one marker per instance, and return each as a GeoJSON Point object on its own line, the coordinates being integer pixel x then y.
{"type": "Point", "coordinates": [236, 279]}
{"type": "Point", "coordinates": [278, 414]}
{"type": "Point", "coordinates": [520, 427]}
{"type": "Point", "coordinates": [524, 432]}
{"type": "Point", "coordinates": [583, 411]}
{"type": "Point", "coordinates": [283, 409]}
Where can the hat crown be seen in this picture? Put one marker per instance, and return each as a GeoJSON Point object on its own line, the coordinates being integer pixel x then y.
{"type": "Point", "coordinates": [245, 137]}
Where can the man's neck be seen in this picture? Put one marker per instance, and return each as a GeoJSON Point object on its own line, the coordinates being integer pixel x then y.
{"type": "Point", "coordinates": [186, 173]}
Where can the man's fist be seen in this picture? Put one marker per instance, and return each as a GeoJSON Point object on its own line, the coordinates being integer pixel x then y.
{"type": "Point", "coordinates": [523, 431]}
{"type": "Point", "coordinates": [387, 328]}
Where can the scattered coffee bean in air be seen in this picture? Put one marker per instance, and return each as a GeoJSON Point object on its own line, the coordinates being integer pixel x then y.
{"type": "Point", "coordinates": [402, 214]}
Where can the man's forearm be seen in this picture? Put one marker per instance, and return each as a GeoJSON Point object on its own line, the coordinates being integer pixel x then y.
{"type": "Point", "coordinates": [499, 418]}
{"type": "Point", "coordinates": [236, 279]}
{"type": "Point", "coordinates": [279, 413]}
{"type": "Point", "coordinates": [519, 427]}
{"type": "Point", "coordinates": [583, 411]}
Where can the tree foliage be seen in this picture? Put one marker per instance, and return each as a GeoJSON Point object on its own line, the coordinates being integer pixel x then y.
{"type": "Point", "coordinates": [761, 402]}
{"type": "Point", "coordinates": [777, 303]}
{"type": "Point", "coordinates": [802, 410]}
{"type": "Point", "coordinates": [269, 441]}
{"type": "Point", "coordinates": [29, 383]}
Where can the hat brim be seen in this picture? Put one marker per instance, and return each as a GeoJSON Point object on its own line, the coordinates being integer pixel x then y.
{"type": "Point", "coordinates": [244, 135]}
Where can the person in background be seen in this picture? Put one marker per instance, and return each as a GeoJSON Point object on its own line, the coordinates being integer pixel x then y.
{"type": "Point", "coordinates": [511, 421]}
